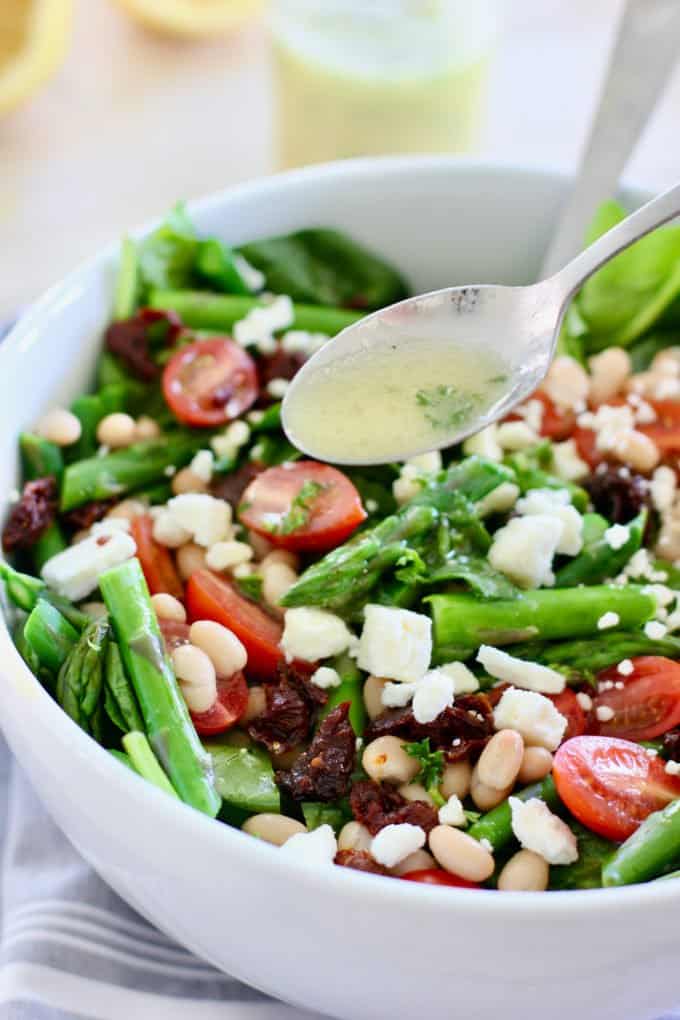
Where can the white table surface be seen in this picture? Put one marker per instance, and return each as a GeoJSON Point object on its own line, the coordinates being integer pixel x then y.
{"type": "Point", "coordinates": [133, 122]}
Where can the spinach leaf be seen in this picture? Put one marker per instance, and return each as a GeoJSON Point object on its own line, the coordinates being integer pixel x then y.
{"type": "Point", "coordinates": [167, 257]}
{"type": "Point", "coordinates": [120, 700]}
{"type": "Point", "coordinates": [325, 267]}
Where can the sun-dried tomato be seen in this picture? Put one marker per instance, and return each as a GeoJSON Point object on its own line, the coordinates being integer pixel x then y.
{"type": "Point", "coordinates": [287, 719]}
{"type": "Point", "coordinates": [279, 365]}
{"type": "Point", "coordinates": [88, 514]}
{"type": "Point", "coordinates": [459, 730]}
{"type": "Point", "coordinates": [32, 515]}
{"type": "Point", "coordinates": [324, 770]}
{"type": "Point", "coordinates": [671, 744]}
{"type": "Point", "coordinates": [132, 340]}
{"type": "Point", "coordinates": [376, 805]}
{"type": "Point", "coordinates": [232, 486]}
{"type": "Point", "coordinates": [617, 492]}
{"type": "Point", "coordinates": [360, 860]}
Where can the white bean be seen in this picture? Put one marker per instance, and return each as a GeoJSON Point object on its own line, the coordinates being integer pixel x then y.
{"type": "Point", "coordinates": [386, 759]}
{"type": "Point", "coordinates": [277, 579]}
{"type": "Point", "coordinates": [460, 854]}
{"type": "Point", "coordinates": [567, 383]}
{"type": "Point", "coordinates": [608, 374]}
{"type": "Point", "coordinates": [486, 797]}
{"type": "Point", "coordinates": [146, 428]}
{"type": "Point", "coordinates": [187, 480]}
{"type": "Point", "coordinates": [260, 546]}
{"type": "Point", "coordinates": [638, 451]}
{"type": "Point", "coordinates": [128, 509]}
{"type": "Point", "coordinates": [117, 430]}
{"type": "Point", "coordinates": [373, 689]}
{"type": "Point", "coordinates": [276, 829]}
{"type": "Point", "coordinates": [354, 836]}
{"type": "Point", "coordinates": [196, 675]}
{"type": "Point", "coordinates": [500, 760]}
{"type": "Point", "coordinates": [60, 427]}
{"type": "Point", "coordinates": [419, 860]}
{"type": "Point", "coordinates": [537, 763]}
{"type": "Point", "coordinates": [415, 791]}
{"type": "Point", "coordinates": [456, 779]}
{"type": "Point", "coordinates": [257, 702]}
{"type": "Point", "coordinates": [281, 556]}
{"type": "Point", "coordinates": [525, 871]}
{"type": "Point", "coordinates": [220, 644]}
{"type": "Point", "coordinates": [168, 532]}
{"type": "Point", "coordinates": [190, 558]}
{"type": "Point", "coordinates": [167, 607]}
{"type": "Point", "coordinates": [225, 555]}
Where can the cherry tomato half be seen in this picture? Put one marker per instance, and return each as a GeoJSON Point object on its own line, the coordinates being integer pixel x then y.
{"type": "Point", "coordinates": [611, 785]}
{"type": "Point", "coordinates": [156, 561]}
{"type": "Point", "coordinates": [647, 705]}
{"type": "Point", "coordinates": [232, 701]}
{"type": "Point", "coordinates": [302, 505]}
{"type": "Point", "coordinates": [210, 382]}
{"type": "Point", "coordinates": [209, 597]}
{"type": "Point", "coordinates": [174, 633]}
{"type": "Point", "coordinates": [567, 704]}
{"type": "Point", "coordinates": [437, 876]}
{"type": "Point", "coordinates": [585, 440]}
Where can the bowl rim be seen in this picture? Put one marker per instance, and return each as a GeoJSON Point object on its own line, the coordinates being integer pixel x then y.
{"type": "Point", "coordinates": [48, 714]}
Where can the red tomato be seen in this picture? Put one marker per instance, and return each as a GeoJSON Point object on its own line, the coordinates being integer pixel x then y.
{"type": "Point", "coordinates": [210, 382]}
{"type": "Point", "coordinates": [611, 785]}
{"type": "Point", "coordinates": [232, 701]}
{"type": "Point", "coordinates": [647, 705]}
{"type": "Point", "coordinates": [437, 876]}
{"type": "Point", "coordinates": [157, 563]}
{"type": "Point", "coordinates": [567, 704]}
{"type": "Point", "coordinates": [585, 446]}
{"type": "Point", "coordinates": [213, 598]}
{"type": "Point", "coordinates": [328, 516]}
{"type": "Point", "coordinates": [174, 633]}
{"type": "Point", "coordinates": [668, 411]}
{"type": "Point", "coordinates": [666, 438]}
{"type": "Point", "coordinates": [556, 423]}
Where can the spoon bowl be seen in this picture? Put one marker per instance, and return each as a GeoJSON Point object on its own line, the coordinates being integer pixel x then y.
{"type": "Point", "coordinates": [425, 373]}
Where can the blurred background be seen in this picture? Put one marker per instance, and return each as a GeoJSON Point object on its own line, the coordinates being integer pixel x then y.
{"type": "Point", "coordinates": [111, 110]}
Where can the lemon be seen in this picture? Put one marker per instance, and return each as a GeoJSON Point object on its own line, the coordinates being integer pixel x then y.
{"type": "Point", "coordinates": [191, 18]}
{"type": "Point", "coordinates": [34, 35]}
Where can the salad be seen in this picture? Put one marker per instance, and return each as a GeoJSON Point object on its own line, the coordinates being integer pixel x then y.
{"type": "Point", "coordinates": [461, 670]}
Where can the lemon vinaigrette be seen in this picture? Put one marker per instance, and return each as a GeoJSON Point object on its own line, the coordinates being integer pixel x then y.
{"type": "Point", "coordinates": [391, 76]}
{"type": "Point", "coordinates": [371, 406]}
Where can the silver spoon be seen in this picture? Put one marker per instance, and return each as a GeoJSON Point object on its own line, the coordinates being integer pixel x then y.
{"type": "Point", "coordinates": [517, 326]}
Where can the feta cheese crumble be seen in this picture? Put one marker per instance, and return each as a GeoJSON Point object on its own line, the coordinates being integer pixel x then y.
{"type": "Point", "coordinates": [604, 713]}
{"type": "Point", "coordinates": [325, 677]}
{"type": "Point", "coordinates": [74, 573]}
{"type": "Point", "coordinates": [452, 813]}
{"type": "Point", "coordinates": [397, 695]}
{"type": "Point", "coordinates": [484, 444]}
{"type": "Point", "coordinates": [464, 680]}
{"type": "Point", "coordinates": [556, 503]}
{"type": "Point", "coordinates": [432, 695]}
{"type": "Point", "coordinates": [672, 768]}
{"type": "Point", "coordinates": [584, 700]}
{"type": "Point", "coordinates": [538, 829]}
{"type": "Point", "coordinates": [499, 500]}
{"type": "Point", "coordinates": [524, 550]}
{"type": "Point", "coordinates": [395, 643]}
{"type": "Point", "coordinates": [312, 634]}
{"type": "Point", "coordinates": [316, 848]}
{"type": "Point", "coordinates": [529, 675]}
{"type": "Point", "coordinates": [205, 518]}
{"type": "Point", "coordinates": [655, 630]}
{"type": "Point", "coordinates": [625, 667]}
{"type": "Point", "coordinates": [567, 464]}
{"type": "Point", "coordinates": [617, 536]}
{"type": "Point", "coordinates": [608, 620]}
{"type": "Point", "coordinates": [533, 716]}
{"type": "Point", "coordinates": [395, 842]}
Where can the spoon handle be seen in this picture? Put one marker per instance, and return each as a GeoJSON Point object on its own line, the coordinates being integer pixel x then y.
{"type": "Point", "coordinates": [645, 50]}
{"type": "Point", "coordinates": [648, 217]}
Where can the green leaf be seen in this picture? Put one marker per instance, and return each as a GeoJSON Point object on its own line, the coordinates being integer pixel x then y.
{"type": "Point", "coordinates": [167, 257]}
{"type": "Point", "coordinates": [325, 267]}
{"type": "Point", "coordinates": [629, 294]}
{"type": "Point", "coordinates": [476, 572]}
{"type": "Point", "coordinates": [431, 762]}
{"type": "Point", "coordinates": [317, 813]}
{"type": "Point", "coordinates": [250, 586]}
{"type": "Point", "coordinates": [216, 264]}
{"type": "Point", "coordinates": [120, 700]}
{"type": "Point", "coordinates": [446, 407]}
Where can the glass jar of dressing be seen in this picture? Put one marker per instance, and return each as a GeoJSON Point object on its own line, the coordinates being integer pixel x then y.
{"type": "Point", "coordinates": [368, 77]}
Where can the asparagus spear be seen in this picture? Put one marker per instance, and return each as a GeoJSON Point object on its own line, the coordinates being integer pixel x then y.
{"type": "Point", "coordinates": [463, 622]}
{"type": "Point", "coordinates": [25, 591]}
{"type": "Point", "coordinates": [205, 310]}
{"type": "Point", "coordinates": [127, 282]}
{"type": "Point", "coordinates": [123, 758]}
{"type": "Point", "coordinates": [167, 721]}
{"type": "Point", "coordinates": [586, 872]}
{"type": "Point", "coordinates": [144, 761]}
{"type": "Point", "coordinates": [132, 468]}
{"type": "Point", "coordinates": [597, 560]}
{"type": "Point", "coordinates": [351, 689]}
{"type": "Point", "coordinates": [651, 850]}
{"type": "Point", "coordinates": [50, 635]}
{"type": "Point", "coordinates": [81, 677]}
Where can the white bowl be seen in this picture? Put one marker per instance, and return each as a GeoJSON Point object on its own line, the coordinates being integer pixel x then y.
{"type": "Point", "coordinates": [351, 945]}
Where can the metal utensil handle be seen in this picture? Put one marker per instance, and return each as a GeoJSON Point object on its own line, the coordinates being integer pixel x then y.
{"type": "Point", "coordinates": [660, 210]}
{"type": "Point", "coordinates": [644, 53]}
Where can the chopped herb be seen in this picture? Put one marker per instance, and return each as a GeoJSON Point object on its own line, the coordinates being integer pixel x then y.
{"type": "Point", "coordinates": [446, 407]}
{"type": "Point", "coordinates": [300, 510]}
{"type": "Point", "coordinates": [251, 586]}
{"type": "Point", "coordinates": [431, 767]}
{"type": "Point", "coordinates": [498, 379]}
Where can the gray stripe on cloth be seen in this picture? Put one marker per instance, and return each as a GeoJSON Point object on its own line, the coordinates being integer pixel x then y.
{"type": "Point", "coordinates": [37, 1011]}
